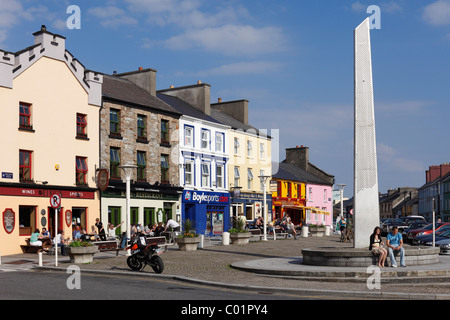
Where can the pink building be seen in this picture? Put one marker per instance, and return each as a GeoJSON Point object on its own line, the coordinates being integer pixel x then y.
{"type": "Point", "coordinates": [319, 196]}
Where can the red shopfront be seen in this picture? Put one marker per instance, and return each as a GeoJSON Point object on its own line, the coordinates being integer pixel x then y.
{"type": "Point", "coordinates": [30, 209]}
{"type": "Point", "coordinates": [293, 207]}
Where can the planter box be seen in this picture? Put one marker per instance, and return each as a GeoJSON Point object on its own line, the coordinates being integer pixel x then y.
{"type": "Point", "coordinates": [81, 254]}
{"type": "Point", "coordinates": [188, 244]}
{"type": "Point", "coordinates": [240, 238]}
{"type": "Point", "coordinates": [317, 232]}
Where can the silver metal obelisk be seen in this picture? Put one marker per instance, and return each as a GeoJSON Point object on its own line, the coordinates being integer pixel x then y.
{"type": "Point", "coordinates": [366, 214]}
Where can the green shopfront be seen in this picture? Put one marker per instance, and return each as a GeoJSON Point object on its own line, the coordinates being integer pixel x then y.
{"type": "Point", "coordinates": [149, 204]}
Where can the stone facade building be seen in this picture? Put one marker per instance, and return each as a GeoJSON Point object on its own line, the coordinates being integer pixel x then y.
{"type": "Point", "coordinates": [138, 128]}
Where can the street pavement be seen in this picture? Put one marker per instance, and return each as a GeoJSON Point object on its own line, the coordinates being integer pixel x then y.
{"type": "Point", "coordinates": [271, 266]}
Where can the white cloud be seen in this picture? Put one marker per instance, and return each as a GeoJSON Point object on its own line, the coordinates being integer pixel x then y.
{"type": "Point", "coordinates": [437, 13]}
{"type": "Point", "coordinates": [242, 68]}
{"type": "Point", "coordinates": [231, 40]}
{"type": "Point", "coordinates": [113, 17]}
{"type": "Point", "coordinates": [391, 160]}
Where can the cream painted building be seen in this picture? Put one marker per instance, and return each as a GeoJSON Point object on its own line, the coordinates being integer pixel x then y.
{"type": "Point", "coordinates": [49, 124]}
{"type": "Point", "coordinates": [250, 158]}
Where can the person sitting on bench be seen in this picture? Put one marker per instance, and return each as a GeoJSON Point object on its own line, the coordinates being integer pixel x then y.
{"type": "Point", "coordinates": [395, 244]}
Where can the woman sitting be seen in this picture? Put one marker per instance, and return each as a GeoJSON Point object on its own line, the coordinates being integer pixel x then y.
{"type": "Point", "coordinates": [376, 246]}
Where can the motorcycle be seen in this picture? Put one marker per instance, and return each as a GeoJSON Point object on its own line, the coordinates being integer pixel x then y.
{"type": "Point", "coordinates": [143, 254]}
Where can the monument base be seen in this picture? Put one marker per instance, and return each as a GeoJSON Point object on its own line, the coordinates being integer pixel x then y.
{"type": "Point", "coordinates": [350, 257]}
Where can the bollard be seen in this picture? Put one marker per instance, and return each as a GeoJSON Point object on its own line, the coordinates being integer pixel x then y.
{"type": "Point", "coordinates": [226, 238]}
{"type": "Point", "coordinates": [40, 259]}
{"type": "Point", "coordinates": [201, 243]}
{"type": "Point", "coordinates": [327, 230]}
{"type": "Point", "coordinates": [305, 232]}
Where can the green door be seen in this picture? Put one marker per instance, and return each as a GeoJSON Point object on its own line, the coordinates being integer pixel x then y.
{"type": "Point", "coordinates": [114, 217]}
{"type": "Point", "coordinates": [149, 216]}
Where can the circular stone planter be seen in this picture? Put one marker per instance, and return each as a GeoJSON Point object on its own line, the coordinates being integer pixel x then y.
{"type": "Point", "coordinates": [350, 257]}
{"type": "Point", "coordinates": [81, 254]}
{"type": "Point", "coordinates": [187, 244]}
{"type": "Point", "coordinates": [240, 238]}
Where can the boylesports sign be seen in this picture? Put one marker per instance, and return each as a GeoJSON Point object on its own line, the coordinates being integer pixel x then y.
{"type": "Point", "coordinates": [205, 197]}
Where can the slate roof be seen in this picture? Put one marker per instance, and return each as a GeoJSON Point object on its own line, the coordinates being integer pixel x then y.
{"type": "Point", "coordinates": [122, 90]}
{"type": "Point", "coordinates": [185, 108]}
{"type": "Point", "coordinates": [287, 171]}
{"type": "Point", "coordinates": [234, 123]}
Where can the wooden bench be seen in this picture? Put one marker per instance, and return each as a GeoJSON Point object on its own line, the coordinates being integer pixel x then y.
{"type": "Point", "coordinates": [280, 232]}
{"type": "Point", "coordinates": [109, 245]}
{"type": "Point", "coordinates": [256, 233]}
{"type": "Point", "coordinates": [160, 241]}
{"type": "Point", "coordinates": [28, 248]}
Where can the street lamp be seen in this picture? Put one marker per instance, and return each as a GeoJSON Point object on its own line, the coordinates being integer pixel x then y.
{"type": "Point", "coordinates": [341, 191]}
{"type": "Point", "coordinates": [128, 171]}
{"type": "Point", "coordinates": [264, 181]}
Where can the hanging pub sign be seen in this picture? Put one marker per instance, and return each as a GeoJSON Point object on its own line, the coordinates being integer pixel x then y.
{"type": "Point", "coordinates": [102, 179]}
{"type": "Point", "coordinates": [9, 220]}
{"type": "Point", "coordinates": [68, 217]}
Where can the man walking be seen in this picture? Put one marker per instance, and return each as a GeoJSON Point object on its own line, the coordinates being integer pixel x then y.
{"type": "Point", "coordinates": [395, 244]}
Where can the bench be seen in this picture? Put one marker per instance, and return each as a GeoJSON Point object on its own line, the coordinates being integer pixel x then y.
{"type": "Point", "coordinates": [280, 232]}
{"type": "Point", "coordinates": [28, 248]}
{"type": "Point", "coordinates": [109, 245]}
{"type": "Point", "coordinates": [160, 241]}
{"type": "Point", "coordinates": [256, 233]}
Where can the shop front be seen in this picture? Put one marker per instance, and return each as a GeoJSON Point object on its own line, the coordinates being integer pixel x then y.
{"type": "Point", "coordinates": [209, 211]}
{"type": "Point", "coordinates": [148, 204]}
{"type": "Point", "coordinates": [25, 208]}
{"type": "Point", "coordinates": [295, 208]}
{"type": "Point", "coordinates": [251, 204]}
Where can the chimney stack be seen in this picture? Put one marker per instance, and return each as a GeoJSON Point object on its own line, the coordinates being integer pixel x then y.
{"type": "Point", "coordinates": [143, 78]}
{"type": "Point", "coordinates": [298, 157]}
{"type": "Point", "coordinates": [197, 95]}
{"type": "Point", "coordinates": [237, 109]}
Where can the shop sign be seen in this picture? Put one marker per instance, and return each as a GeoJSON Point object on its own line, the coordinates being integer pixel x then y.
{"type": "Point", "coordinates": [68, 217]}
{"type": "Point", "coordinates": [205, 197]}
{"type": "Point", "coordinates": [32, 192]}
{"type": "Point", "coordinates": [7, 175]}
{"type": "Point", "coordinates": [9, 220]}
{"type": "Point", "coordinates": [102, 179]}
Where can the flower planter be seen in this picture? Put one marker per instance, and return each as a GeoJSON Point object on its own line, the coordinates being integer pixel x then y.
{"type": "Point", "coordinates": [240, 237]}
{"type": "Point", "coordinates": [81, 254]}
{"type": "Point", "coordinates": [187, 244]}
{"type": "Point", "coordinates": [317, 232]}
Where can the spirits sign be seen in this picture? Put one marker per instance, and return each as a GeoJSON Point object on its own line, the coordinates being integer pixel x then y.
{"type": "Point", "coordinates": [9, 220]}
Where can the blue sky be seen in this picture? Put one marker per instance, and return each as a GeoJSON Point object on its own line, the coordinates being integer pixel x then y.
{"type": "Point", "coordinates": [293, 60]}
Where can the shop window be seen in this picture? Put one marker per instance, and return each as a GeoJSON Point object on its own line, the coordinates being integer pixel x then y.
{"type": "Point", "coordinates": [79, 218]}
{"type": "Point", "coordinates": [25, 116]}
{"type": "Point", "coordinates": [81, 126]}
{"type": "Point", "coordinates": [27, 220]}
{"type": "Point", "coordinates": [25, 166]}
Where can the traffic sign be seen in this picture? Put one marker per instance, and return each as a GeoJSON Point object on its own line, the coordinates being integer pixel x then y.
{"type": "Point", "coordinates": [55, 200]}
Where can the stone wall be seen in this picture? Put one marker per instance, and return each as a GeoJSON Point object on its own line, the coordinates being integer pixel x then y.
{"type": "Point", "coordinates": [129, 146]}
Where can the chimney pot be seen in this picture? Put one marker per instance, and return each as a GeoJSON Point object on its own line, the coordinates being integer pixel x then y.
{"type": "Point", "coordinates": [140, 68]}
{"type": "Point", "coordinates": [171, 87]}
{"type": "Point", "coordinates": [219, 100]}
{"type": "Point", "coordinates": [199, 82]}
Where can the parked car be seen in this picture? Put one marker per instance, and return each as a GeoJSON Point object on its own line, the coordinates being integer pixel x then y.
{"type": "Point", "coordinates": [425, 230]}
{"type": "Point", "coordinates": [401, 223]}
{"type": "Point", "coordinates": [427, 239]}
{"type": "Point", "coordinates": [444, 245]}
{"type": "Point", "coordinates": [387, 225]}
{"type": "Point", "coordinates": [413, 226]}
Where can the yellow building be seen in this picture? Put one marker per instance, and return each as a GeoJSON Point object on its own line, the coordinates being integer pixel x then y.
{"type": "Point", "coordinates": [288, 197]}
{"type": "Point", "coordinates": [250, 157]}
{"type": "Point", "coordinates": [49, 124]}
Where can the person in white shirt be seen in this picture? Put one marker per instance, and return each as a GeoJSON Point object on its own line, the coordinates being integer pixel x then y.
{"type": "Point", "coordinates": [173, 225]}
{"type": "Point", "coordinates": [112, 231]}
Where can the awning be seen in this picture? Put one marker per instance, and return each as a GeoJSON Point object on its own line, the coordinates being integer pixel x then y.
{"type": "Point", "coordinates": [318, 211]}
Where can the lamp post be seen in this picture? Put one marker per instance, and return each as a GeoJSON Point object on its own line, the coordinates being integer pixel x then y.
{"type": "Point", "coordinates": [341, 192]}
{"type": "Point", "coordinates": [128, 171]}
{"type": "Point", "coordinates": [264, 181]}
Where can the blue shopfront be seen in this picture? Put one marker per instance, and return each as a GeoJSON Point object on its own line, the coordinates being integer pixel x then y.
{"type": "Point", "coordinates": [209, 211]}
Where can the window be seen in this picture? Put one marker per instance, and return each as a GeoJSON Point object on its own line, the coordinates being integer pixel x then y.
{"type": "Point", "coordinates": [141, 127]}
{"type": "Point", "coordinates": [262, 152]}
{"type": "Point", "coordinates": [310, 196]}
{"type": "Point", "coordinates": [114, 122]}
{"type": "Point", "coordinates": [325, 195]}
{"type": "Point", "coordinates": [289, 190]}
{"type": "Point", "coordinates": [236, 146]}
{"type": "Point", "coordinates": [219, 176]}
{"type": "Point", "coordinates": [249, 178]}
{"type": "Point", "coordinates": [81, 171]}
{"type": "Point", "coordinates": [205, 175]}
{"type": "Point", "coordinates": [188, 172]}
{"type": "Point", "coordinates": [164, 168]}
{"type": "Point", "coordinates": [25, 162]}
{"type": "Point", "coordinates": [114, 159]}
{"type": "Point", "coordinates": [188, 136]}
{"type": "Point", "coordinates": [164, 132]}
{"type": "Point", "coordinates": [219, 141]}
{"type": "Point", "coordinates": [27, 220]}
{"type": "Point", "coordinates": [81, 126]}
{"type": "Point", "coordinates": [278, 188]}
{"type": "Point", "coordinates": [25, 116]}
{"type": "Point", "coordinates": [141, 166]}
{"type": "Point", "coordinates": [249, 148]}
{"type": "Point", "coordinates": [205, 139]}
{"type": "Point", "coordinates": [237, 176]}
